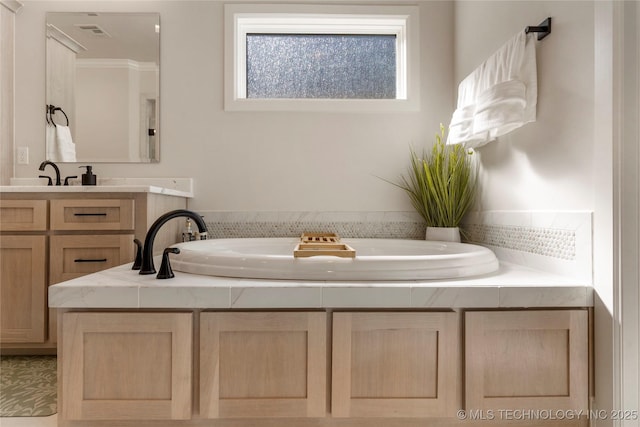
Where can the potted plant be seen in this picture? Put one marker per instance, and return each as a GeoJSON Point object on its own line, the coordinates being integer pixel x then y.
{"type": "Point", "coordinates": [441, 185]}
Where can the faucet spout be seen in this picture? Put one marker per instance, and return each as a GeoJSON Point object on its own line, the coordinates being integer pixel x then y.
{"type": "Point", "coordinates": [147, 250]}
{"type": "Point", "coordinates": [55, 167]}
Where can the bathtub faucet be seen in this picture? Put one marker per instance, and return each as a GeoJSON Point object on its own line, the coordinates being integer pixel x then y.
{"type": "Point", "coordinates": [147, 250]}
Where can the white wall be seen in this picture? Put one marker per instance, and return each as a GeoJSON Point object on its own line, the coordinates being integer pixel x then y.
{"type": "Point", "coordinates": [251, 161]}
{"type": "Point", "coordinates": [546, 164]}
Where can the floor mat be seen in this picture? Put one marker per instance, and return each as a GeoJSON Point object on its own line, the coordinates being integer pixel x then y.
{"type": "Point", "coordinates": [28, 386]}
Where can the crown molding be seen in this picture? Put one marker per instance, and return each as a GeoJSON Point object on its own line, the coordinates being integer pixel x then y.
{"type": "Point", "coordinates": [12, 5]}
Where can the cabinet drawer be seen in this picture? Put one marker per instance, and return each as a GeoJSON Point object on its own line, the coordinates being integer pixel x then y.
{"type": "Point", "coordinates": [75, 256]}
{"type": "Point", "coordinates": [92, 214]}
{"type": "Point", "coordinates": [23, 215]}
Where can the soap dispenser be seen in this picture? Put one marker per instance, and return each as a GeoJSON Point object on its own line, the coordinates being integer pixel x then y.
{"type": "Point", "coordinates": [88, 178]}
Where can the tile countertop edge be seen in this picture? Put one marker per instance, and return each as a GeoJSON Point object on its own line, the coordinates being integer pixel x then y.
{"type": "Point", "coordinates": [511, 287]}
{"type": "Point", "coordinates": [95, 189]}
{"type": "Point", "coordinates": [179, 187]}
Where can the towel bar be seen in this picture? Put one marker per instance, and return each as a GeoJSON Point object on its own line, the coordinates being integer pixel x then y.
{"type": "Point", "coordinates": [543, 30]}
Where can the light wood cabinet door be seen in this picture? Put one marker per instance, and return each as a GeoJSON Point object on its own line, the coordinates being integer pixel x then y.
{"type": "Point", "coordinates": [395, 364]}
{"type": "Point", "coordinates": [23, 215]}
{"type": "Point", "coordinates": [92, 214]}
{"type": "Point", "coordinates": [74, 256]}
{"type": "Point", "coordinates": [22, 290]}
{"type": "Point", "coordinates": [126, 366]}
{"type": "Point", "coordinates": [527, 360]}
{"type": "Point", "coordinates": [263, 364]}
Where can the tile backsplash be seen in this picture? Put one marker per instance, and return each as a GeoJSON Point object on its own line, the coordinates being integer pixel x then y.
{"type": "Point", "coordinates": [557, 242]}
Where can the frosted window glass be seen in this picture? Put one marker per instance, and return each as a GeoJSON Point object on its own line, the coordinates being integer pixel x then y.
{"type": "Point", "coordinates": [321, 66]}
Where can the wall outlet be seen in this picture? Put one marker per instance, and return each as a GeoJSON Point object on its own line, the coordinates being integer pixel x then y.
{"type": "Point", "coordinates": [23, 156]}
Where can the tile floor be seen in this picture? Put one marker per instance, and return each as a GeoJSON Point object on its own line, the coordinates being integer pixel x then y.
{"type": "Point", "coordinates": [50, 421]}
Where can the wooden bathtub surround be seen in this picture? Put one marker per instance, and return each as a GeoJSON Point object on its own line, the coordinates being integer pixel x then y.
{"type": "Point", "coordinates": [320, 368]}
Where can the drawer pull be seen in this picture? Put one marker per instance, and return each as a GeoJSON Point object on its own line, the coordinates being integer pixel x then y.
{"type": "Point", "coordinates": [90, 260]}
{"type": "Point", "coordinates": [91, 214]}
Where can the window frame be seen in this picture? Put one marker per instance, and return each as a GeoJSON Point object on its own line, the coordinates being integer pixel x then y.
{"type": "Point", "coordinates": [401, 21]}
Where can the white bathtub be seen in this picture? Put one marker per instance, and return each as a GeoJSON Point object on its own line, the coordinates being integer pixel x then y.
{"type": "Point", "coordinates": [376, 259]}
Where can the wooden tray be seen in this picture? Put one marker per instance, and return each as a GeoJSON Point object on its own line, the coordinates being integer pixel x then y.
{"type": "Point", "coordinates": [319, 238]}
{"type": "Point", "coordinates": [303, 250]}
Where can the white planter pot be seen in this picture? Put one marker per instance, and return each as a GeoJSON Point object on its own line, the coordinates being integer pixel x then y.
{"type": "Point", "coordinates": [443, 234]}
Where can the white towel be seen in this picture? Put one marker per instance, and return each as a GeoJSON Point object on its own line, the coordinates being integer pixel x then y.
{"type": "Point", "coordinates": [50, 141]}
{"type": "Point", "coordinates": [498, 96]}
{"type": "Point", "coordinates": [65, 149]}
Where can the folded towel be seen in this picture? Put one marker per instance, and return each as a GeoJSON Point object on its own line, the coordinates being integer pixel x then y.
{"type": "Point", "coordinates": [65, 150]}
{"type": "Point", "coordinates": [498, 96]}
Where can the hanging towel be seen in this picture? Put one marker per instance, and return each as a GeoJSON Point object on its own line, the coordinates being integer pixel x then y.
{"type": "Point", "coordinates": [498, 96]}
{"type": "Point", "coordinates": [50, 141]}
{"type": "Point", "coordinates": [65, 149]}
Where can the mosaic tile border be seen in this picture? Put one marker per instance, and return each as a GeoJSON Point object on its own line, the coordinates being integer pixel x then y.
{"type": "Point", "coordinates": [382, 230]}
{"type": "Point", "coordinates": [553, 243]}
{"type": "Point", "coordinates": [292, 224]}
{"type": "Point", "coordinates": [556, 242]}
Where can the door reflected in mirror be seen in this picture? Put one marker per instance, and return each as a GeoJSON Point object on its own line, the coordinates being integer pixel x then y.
{"type": "Point", "coordinates": [103, 78]}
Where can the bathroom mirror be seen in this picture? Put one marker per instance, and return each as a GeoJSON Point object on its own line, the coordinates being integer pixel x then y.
{"type": "Point", "coordinates": [102, 81]}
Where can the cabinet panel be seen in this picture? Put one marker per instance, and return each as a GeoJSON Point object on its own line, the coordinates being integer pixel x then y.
{"type": "Point", "coordinates": [263, 365]}
{"type": "Point", "coordinates": [527, 360]}
{"type": "Point", "coordinates": [23, 215]}
{"type": "Point", "coordinates": [126, 366]}
{"type": "Point", "coordinates": [92, 214]}
{"type": "Point", "coordinates": [395, 364]}
{"type": "Point", "coordinates": [22, 275]}
{"type": "Point", "coordinates": [75, 256]}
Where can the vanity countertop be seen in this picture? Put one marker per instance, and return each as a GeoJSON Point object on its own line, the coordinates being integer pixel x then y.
{"type": "Point", "coordinates": [511, 286]}
{"type": "Point", "coordinates": [180, 187]}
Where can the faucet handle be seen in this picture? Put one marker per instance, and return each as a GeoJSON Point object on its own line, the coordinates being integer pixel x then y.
{"type": "Point", "coordinates": [137, 264]}
{"type": "Point", "coordinates": [165, 268]}
{"type": "Point", "coordinates": [50, 182]}
{"type": "Point", "coordinates": [66, 180]}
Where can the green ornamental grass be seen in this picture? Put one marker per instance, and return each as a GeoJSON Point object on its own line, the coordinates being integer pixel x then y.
{"type": "Point", "coordinates": [441, 184]}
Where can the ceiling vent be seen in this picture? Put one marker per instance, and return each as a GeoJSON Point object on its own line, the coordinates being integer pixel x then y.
{"type": "Point", "coordinates": [93, 30]}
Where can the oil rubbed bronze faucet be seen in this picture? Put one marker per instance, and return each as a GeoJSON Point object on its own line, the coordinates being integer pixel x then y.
{"type": "Point", "coordinates": [147, 266]}
{"type": "Point", "coordinates": [44, 164]}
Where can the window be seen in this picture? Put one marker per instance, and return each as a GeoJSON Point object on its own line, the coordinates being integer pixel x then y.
{"type": "Point", "coordinates": [293, 57]}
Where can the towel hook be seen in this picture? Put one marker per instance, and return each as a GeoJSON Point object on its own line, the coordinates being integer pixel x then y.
{"type": "Point", "coordinates": [543, 30]}
{"type": "Point", "coordinates": [52, 110]}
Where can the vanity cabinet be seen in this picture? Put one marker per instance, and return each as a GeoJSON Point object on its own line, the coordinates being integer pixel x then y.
{"type": "Point", "coordinates": [123, 366]}
{"type": "Point", "coordinates": [263, 364]}
{"type": "Point", "coordinates": [395, 364]}
{"type": "Point", "coordinates": [47, 238]}
{"type": "Point", "coordinates": [523, 360]}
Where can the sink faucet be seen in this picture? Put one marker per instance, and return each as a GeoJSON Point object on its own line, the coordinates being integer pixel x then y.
{"type": "Point", "coordinates": [47, 162]}
{"type": "Point", "coordinates": [147, 250]}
